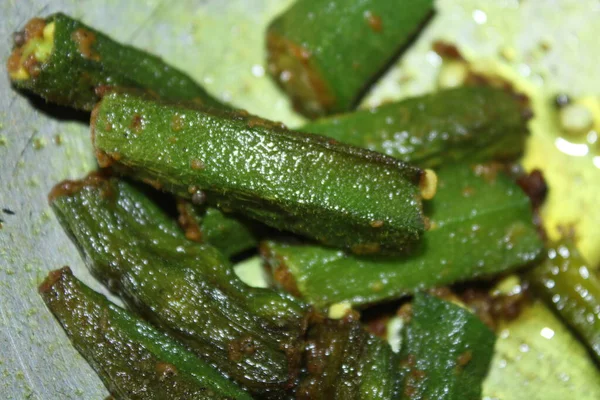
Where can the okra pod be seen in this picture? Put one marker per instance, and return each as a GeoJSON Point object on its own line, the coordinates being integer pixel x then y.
{"type": "Point", "coordinates": [572, 290]}
{"type": "Point", "coordinates": [446, 352]}
{"type": "Point", "coordinates": [480, 224]}
{"type": "Point", "coordinates": [340, 195]}
{"type": "Point", "coordinates": [472, 124]}
{"type": "Point", "coordinates": [324, 54]}
{"type": "Point", "coordinates": [227, 233]}
{"type": "Point", "coordinates": [253, 335]}
{"type": "Point", "coordinates": [132, 358]}
{"type": "Point", "coordinates": [66, 62]}
{"type": "Point", "coordinates": [345, 362]}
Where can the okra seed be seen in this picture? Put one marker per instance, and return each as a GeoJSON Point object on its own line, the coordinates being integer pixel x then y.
{"type": "Point", "coordinates": [428, 184]}
{"type": "Point", "coordinates": [339, 310]}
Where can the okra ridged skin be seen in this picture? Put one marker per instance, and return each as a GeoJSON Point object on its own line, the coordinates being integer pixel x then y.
{"type": "Point", "coordinates": [480, 225]}
{"type": "Point", "coordinates": [470, 124]}
{"type": "Point", "coordinates": [324, 54]}
{"type": "Point", "coordinates": [571, 288]}
{"type": "Point", "coordinates": [340, 195]}
{"type": "Point", "coordinates": [345, 362]}
{"type": "Point", "coordinates": [82, 60]}
{"type": "Point", "coordinates": [446, 352]}
{"type": "Point", "coordinates": [229, 234]}
{"type": "Point", "coordinates": [190, 290]}
{"type": "Point", "coordinates": [131, 357]}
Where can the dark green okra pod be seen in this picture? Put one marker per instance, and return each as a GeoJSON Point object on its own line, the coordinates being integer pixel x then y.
{"type": "Point", "coordinates": [446, 352]}
{"type": "Point", "coordinates": [345, 362]}
{"type": "Point", "coordinates": [133, 359]}
{"type": "Point", "coordinates": [324, 54]}
{"type": "Point", "coordinates": [227, 233]}
{"type": "Point", "coordinates": [65, 62]}
{"type": "Point", "coordinates": [572, 290]}
{"type": "Point", "coordinates": [252, 335]}
{"type": "Point", "coordinates": [480, 225]}
{"type": "Point", "coordinates": [340, 195]}
{"type": "Point", "coordinates": [473, 124]}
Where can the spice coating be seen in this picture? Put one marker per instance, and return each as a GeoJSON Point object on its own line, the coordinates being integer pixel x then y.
{"type": "Point", "coordinates": [292, 181]}
{"type": "Point", "coordinates": [446, 352]}
{"type": "Point", "coordinates": [345, 362]}
{"type": "Point", "coordinates": [133, 359]}
{"type": "Point", "coordinates": [470, 124]}
{"type": "Point", "coordinates": [82, 60]}
{"type": "Point", "coordinates": [477, 233]}
{"type": "Point", "coordinates": [325, 67]}
{"type": "Point", "coordinates": [572, 290]}
{"type": "Point", "coordinates": [230, 234]}
{"type": "Point", "coordinates": [188, 289]}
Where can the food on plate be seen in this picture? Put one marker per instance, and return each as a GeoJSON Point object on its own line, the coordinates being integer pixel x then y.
{"type": "Point", "coordinates": [69, 63]}
{"type": "Point", "coordinates": [325, 54]}
{"type": "Point", "coordinates": [307, 184]}
{"type": "Point", "coordinates": [480, 224]}
{"type": "Point", "coordinates": [572, 289]}
{"type": "Point", "coordinates": [252, 335]}
{"type": "Point", "coordinates": [133, 359]}
{"type": "Point", "coordinates": [412, 206]}
{"type": "Point", "coordinates": [446, 351]}
{"type": "Point", "coordinates": [468, 124]}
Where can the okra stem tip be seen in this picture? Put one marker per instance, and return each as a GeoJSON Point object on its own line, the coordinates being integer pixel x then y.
{"type": "Point", "coordinates": [33, 46]}
{"type": "Point", "coordinates": [52, 278]}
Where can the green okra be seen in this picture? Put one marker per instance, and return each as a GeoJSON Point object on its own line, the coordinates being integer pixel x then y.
{"type": "Point", "coordinates": [340, 195]}
{"type": "Point", "coordinates": [68, 63]}
{"type": "Point", "coordinates": [229, 234]}
{"type": "Point", "coordinates": [572, 290]}
{"type": "Point", "coordinates": [472, 124]}
{"type": "Point", "coordinates": [131, 357]}
{"type": "Point", "coordinates": [446, 352]}
{"type": "Point", "coordinates": [253, 335]}
{"type": "Point", "coordinates": [324, 54]}
{"type": "Point", "coordinates": [480, 224]}
{"type": "Point", "coordinates": [345, 362]}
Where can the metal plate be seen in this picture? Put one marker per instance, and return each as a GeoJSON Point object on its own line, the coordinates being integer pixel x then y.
{"type": "Point", "coordinates": [220, 43]}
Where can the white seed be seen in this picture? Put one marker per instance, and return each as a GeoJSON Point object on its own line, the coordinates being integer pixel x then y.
{"type": "Point", "coordinates": [339, 310]}
{"type": "Point", "coordinates": [428, 184]}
